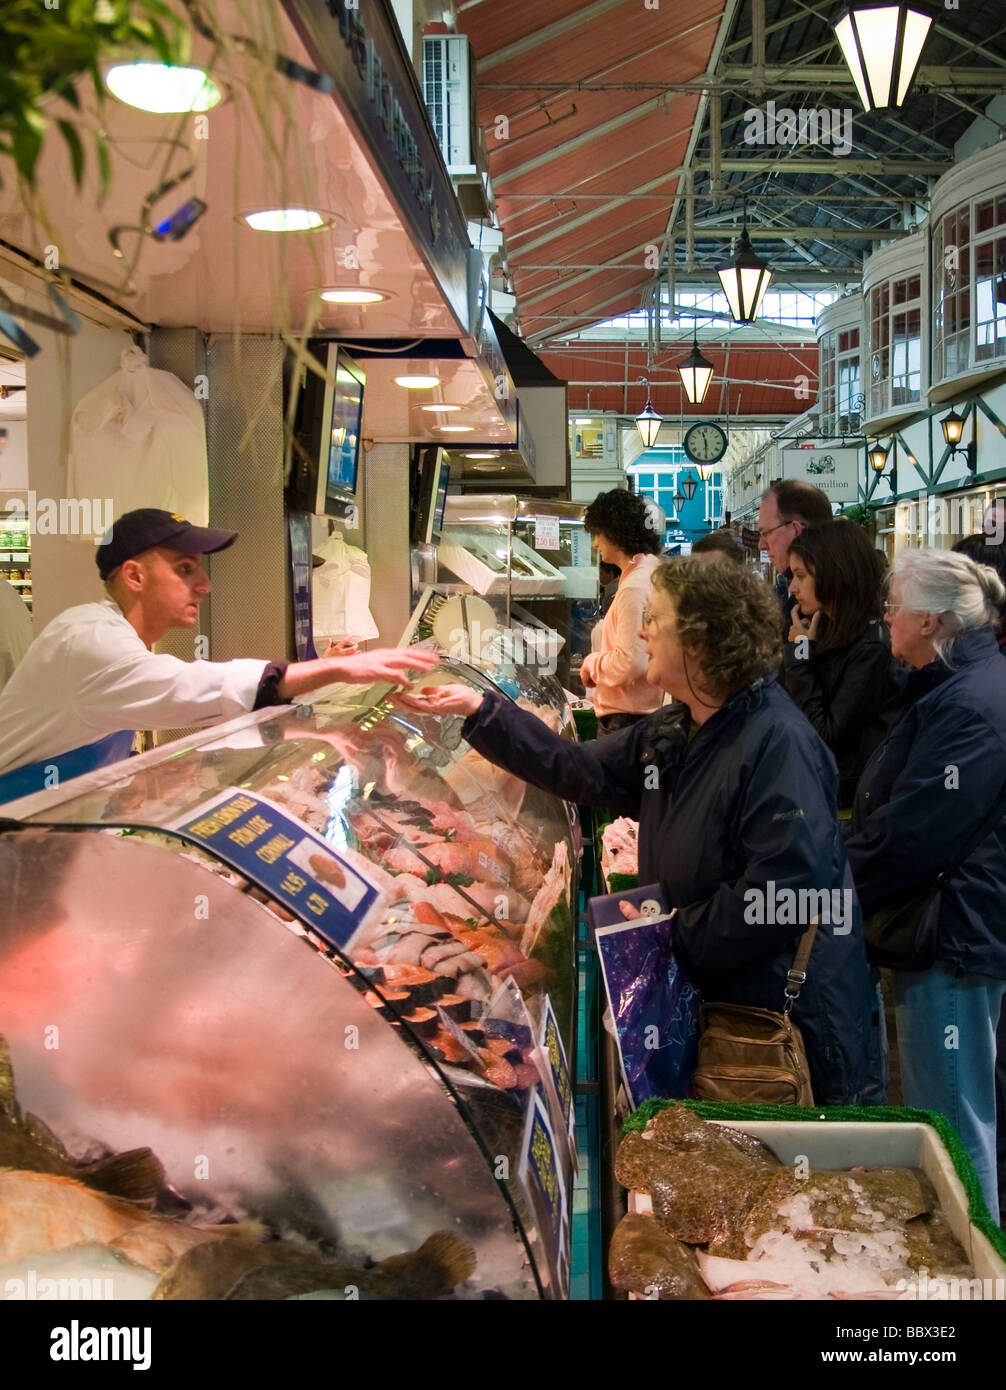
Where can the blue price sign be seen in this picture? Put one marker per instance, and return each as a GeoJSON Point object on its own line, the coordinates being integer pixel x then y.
{"type": "Point", "coordinates": [541, 1174]}
{"type": "Point", "coordinates": [293, 864]}
{"type": "Point", "coordinates": [550, 1042]}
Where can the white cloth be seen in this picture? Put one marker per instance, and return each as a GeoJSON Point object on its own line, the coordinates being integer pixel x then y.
{"type": "Point", "coordinates": [138, 439]}
{"type": "Point", "coordinates": [88, 675]}
{"type": "Point", "coordinates": [15, 630]}
{"type": "Point", "coordinates": [340, 592]}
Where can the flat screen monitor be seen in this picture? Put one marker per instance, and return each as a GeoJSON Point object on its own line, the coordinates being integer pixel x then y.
{"type": "Point", "coordinates": [441, 501]}
{"type": "Point", "coordinates": [339, 445]}
{"type": "Point", "coordinates": [426, 479]}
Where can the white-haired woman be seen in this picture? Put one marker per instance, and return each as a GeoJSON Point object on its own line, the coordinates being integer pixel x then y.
{"type": "Point", "coordinates": [923, 796]}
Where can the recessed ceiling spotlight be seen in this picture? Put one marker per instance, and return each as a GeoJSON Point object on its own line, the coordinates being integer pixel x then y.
{"type": "Point", "coordinates": [161, 88]}
{"type": "Point", "coordinates": [287, 220]}
{"type": "Point", "coordinates": [418, 383]}
{"type": "Point", "coordinates": [351, 295]}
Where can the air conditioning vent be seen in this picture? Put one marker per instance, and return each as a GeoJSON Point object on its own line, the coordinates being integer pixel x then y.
{"type": "Point", "coordinates": [447, 89]}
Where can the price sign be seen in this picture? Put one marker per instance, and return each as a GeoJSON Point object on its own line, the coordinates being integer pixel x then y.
{"type": "Point", "coordinates": [546, 533]}
{"type": "Point", "coordinates": [541, 1174]}
{"type": "Point", "coordinates": [293, 864]}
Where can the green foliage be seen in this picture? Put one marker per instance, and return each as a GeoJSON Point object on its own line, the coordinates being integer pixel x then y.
{"type": "Point", "coordinates": [859, 514]}
{"type": "Point", "coordinates": [46, 50]}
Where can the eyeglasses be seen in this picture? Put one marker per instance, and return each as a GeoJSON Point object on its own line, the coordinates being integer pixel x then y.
{"type": "Point", "coordinates": [890, 607]}
{"type": "Point", "coordinates": [763, 534]}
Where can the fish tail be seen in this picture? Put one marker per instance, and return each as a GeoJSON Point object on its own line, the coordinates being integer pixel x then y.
{"type": "Point", "coordinates": [251, 1231]}
{"type": "Point", "coordinates": [443, 1261]}
{"type": "Point", "coordinates": [137, 1175]}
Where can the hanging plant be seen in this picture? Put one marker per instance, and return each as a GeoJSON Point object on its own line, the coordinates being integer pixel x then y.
{"type": "Point", "coordinates": [47, 45]}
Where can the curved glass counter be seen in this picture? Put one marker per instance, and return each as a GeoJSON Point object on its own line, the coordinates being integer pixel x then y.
{"type": "Point", "coordinates": [329, 949]}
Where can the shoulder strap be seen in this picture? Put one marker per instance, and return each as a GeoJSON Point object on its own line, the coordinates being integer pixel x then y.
{"type": "Point", "coordinates": [985, 829]}
{"type": "Point", "coordinates": [796, 978]}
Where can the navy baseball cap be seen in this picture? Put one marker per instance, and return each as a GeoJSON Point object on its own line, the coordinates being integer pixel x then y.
{"type": "Point", "coordinates": [135, 532]}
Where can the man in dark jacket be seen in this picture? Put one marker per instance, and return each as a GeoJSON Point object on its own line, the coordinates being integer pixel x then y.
{"type": "Point", "coordinates": [788, 507]}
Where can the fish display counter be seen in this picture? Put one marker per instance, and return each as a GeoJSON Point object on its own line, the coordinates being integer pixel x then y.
{"type": "Point", "coordinates": [287, 1011]}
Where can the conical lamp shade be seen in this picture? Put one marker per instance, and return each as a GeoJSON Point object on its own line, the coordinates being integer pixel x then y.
{"type": "Point", "coordinates": [882, 45]}
{"type": "Point", "coordinates": [744, 279]}
{"type": "Point", "coordinates": [648, 424]}
{"type": "Point", "coordinates": [696, 374]}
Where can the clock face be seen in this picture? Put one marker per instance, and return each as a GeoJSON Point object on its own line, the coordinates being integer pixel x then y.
{"type": "Point", "coordinates": [705, 443]}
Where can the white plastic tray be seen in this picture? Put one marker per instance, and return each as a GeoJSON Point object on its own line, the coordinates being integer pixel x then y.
{"type": "Point", "coordinates": [847, 1144]}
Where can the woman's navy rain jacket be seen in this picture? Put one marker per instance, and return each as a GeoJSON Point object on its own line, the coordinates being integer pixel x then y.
{"type": "Point", "coordinates": [748, 801]}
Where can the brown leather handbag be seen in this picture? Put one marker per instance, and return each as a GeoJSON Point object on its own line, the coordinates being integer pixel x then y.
{"type": "Point", "coordinates": [749, 1055]}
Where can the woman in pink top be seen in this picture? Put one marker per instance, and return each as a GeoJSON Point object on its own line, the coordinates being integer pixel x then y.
{"type": "Point", "coordinates": [622, 529]}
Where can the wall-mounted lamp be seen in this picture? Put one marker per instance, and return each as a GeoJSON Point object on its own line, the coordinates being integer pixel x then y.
{"type": "Point", "coordinates": [952, 426]}
{"type": "Point", "coordinates": [878, 457]}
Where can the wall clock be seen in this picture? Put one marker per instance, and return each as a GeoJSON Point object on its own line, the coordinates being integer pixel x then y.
{"type": "Point", "coordinates": [705, 443]}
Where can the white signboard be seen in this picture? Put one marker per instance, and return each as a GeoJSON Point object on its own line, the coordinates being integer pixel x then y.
{"type": "Point", "coordinates": [835, 471]}
{"type": "Point", "coordinates": [546, 533]}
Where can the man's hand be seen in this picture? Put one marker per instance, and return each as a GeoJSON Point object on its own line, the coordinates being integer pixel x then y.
{"type": "Point", "coordinates": [342, 647]}
{"type": "Point", "coordinates": [441, 699]}
{"type": "Point", "coordinates": [395, 664]}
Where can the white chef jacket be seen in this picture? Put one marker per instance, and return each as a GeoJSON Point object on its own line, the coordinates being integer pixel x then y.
{"type": "Point", "coordinates": [15, 630]}
{"type": "Point", "coordinates": [88, 675]}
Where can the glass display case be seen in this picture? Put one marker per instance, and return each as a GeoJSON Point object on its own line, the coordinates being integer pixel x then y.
{"type": "Point", "coordinates": [530, 562]}
{"type": "Point", "coordinates": [320, 960]}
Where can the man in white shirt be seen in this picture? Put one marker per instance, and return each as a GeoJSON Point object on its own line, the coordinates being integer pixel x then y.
{"type": "Point", "coordinates": [90, 679]}
{"type": "Point", "coordinates": [15, 630]}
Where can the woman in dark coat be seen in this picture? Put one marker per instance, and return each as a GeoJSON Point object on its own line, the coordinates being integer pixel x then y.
{"type": "Point", "coordinates": [735, 796]}
{"type": "Point", "coordinates": [837, 661]}
{"type": "Point", "coordinates": [924, 794]}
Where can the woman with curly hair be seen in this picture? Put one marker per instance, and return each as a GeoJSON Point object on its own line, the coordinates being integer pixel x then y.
{"type": "Point", "coordinates": [623, 533]}
{"type": "Point", "coordinates": [735, 795]}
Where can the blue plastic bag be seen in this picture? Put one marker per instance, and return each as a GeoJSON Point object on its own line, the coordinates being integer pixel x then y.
{"type": "Point", "coordinates": [654, 1005]}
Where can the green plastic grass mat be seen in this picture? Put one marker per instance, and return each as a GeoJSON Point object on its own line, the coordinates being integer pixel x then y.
{"type": "Point", "coordinates": [902, 1114]}
{"type": "Point", "coordinates": [586, 724]}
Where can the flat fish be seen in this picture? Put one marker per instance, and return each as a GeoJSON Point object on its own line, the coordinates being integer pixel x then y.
{"type": "Point", "coordinates": [29, 1145]}
{"type": "Point", "coordinates": [644, 1259]}
{"type": "Point", "coordinates": [41, 1212]}
{"type": "Point", "coordinates": [702, 1186]}
{"type": "Point", "coordinates": [285, 1269]}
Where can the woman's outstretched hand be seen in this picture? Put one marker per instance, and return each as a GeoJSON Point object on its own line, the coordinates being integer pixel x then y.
{"type": "Point", "coordinates": [440, 699]}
